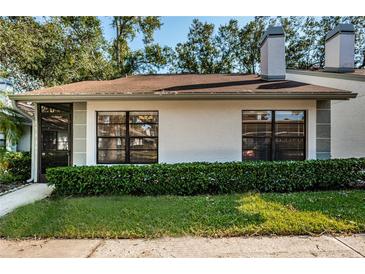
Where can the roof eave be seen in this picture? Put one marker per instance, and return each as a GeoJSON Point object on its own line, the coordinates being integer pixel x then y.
{"type": "Point", "coordinates": [186, 96]}
{"type": "Point", "coordinates": [327, 74]}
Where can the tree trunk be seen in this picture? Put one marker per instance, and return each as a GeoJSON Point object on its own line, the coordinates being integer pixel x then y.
{"type": "Point", "coordinates": [117, 44]}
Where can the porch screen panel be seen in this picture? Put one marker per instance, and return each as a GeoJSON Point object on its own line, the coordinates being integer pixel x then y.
{"type": "Point", "coordinates": [127, 137]}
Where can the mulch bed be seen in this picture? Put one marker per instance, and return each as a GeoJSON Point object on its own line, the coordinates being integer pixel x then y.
{"type": "Point", "coordinates": [8, 187]}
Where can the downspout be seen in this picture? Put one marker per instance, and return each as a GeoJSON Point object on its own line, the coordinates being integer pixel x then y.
{"type": "Point", "coordinates": [31, 179]}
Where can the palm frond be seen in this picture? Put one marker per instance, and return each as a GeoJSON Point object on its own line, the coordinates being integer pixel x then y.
{"type": "Point", "coordinates": [11, 123]}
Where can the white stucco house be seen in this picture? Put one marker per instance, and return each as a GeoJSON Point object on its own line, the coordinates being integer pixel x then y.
{"type": "Point", "coordinates": [24, 144]}
{"type": "Point", "coordinates": [175, 118]}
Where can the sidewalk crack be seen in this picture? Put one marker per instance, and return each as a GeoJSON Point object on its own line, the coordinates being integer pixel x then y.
{"type": "Point", "coordinates": [95, 248]}
{"type": "Point", "coordinates": [350, 247]}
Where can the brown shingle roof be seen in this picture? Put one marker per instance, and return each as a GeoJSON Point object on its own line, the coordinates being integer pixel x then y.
{"type": "Point", "coordinates": [183, 84]}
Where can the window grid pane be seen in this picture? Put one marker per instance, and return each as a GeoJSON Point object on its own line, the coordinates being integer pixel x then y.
{"type": "Point", "coordinates": [257, 116]}
{"type": "Point", "coordinates": [143, 156]}
{"type": "Point", "coordinates": [289, 129]}
{"type": "Point", "coordinates": [111, 143]}
{"type": "Point", "coordinates": [149, 130]}
{"type": "Point", "coordinates": [109, 156]}
{"type": "Point", "coordinates": [143, 143]}
{"type": "Point", "coordinates": [292, 116]}
{"type": "Point", "coordinates": [143, 117]}
{"type": "Point", "coordinates": [108, 117]}
{"type": "Point", "coordinates": [256, 130]}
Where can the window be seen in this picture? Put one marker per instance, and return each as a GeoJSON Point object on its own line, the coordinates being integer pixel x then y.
{"type": "Point", "coordinates": [127, 137]}
{"type": "Point", "coordinates": [273, 135]}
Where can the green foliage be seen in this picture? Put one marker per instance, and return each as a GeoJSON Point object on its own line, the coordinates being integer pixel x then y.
{"type": "Point", "coordinates": [55, 50]}
{"type": "Point", "coordinates": [236, 49]}
{"type": "Point", "coordinates": [214, 216]}
{"type": "Point", "coordinates": [207, 178]}
{"type": "Point", "coordinates": [50, 51]}
{"type": "Point", "coordinates": [305, 39]}
{"type": "Point", "coordinates": [249, 46]}
{"type": "Point", "coordinates": [11, 123]}
{"type": "Point", "coordinates": [78, 51]}
{"type": "Point", "coordinates": [146, 60]}
{"type": "Point", "coordinates": [199, 53]}
{"type": "Point", "coordinates": [14, 167]}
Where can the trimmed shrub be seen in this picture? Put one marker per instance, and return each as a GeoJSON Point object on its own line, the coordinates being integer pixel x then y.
{"type": "Point", "coordinates": [207, 178]}
{"type": "Point", "coordinates": [15, 167]}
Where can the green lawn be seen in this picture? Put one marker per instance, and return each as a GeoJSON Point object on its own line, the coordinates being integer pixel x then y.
{"type": "Point", "coordinates": [225, 215]}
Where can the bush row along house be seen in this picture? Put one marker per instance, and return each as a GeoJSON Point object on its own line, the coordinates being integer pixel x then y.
{"type": "Point", "coordinates": [170, 118]}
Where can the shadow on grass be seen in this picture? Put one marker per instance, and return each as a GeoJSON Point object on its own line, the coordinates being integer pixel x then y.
{"type": "Point", "coordinates": [214, 216]}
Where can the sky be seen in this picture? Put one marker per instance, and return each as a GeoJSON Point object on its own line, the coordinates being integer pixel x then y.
{"type": "Point", "coordinates": [173, 30]}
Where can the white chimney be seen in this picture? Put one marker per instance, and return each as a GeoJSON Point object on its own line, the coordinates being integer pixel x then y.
{"type": "Point", "coordinates": [340, 48]}
{"type": "Point", "coordinates": [272, 50]}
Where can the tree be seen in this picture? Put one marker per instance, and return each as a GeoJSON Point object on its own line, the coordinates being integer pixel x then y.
{"type": "Point", "coordinates": [359, 23]}
{"type": "Point", "coordinates": [55, 50]}
{"type": "Point", "coordinates": [58, 50]}
{"type": "Point", "coordinates": [250, 35]}
{"type": "Point", "coordinates": [149, 59]}
{"type": "Point", "coordinates": [199, 53]}
{"type": "Point", "coordinates": [20, 81]}
{"type": "Point", "coordinates": [20, 46]}
{"type": "Point", "coordinates": [228, 46]}
{"type": "Point", "coordinates": [78, 50]}
{"type": "Point", "coordinates": [325, 24]}
{"type": "Point", "coordinates": [313, 32]}
{"type": "Point", "coordinates": [309, 32]}
{"type": "Point", "coordinates": [295, 45]}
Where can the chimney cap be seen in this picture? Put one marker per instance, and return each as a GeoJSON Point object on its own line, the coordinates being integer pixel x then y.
{"type": "Point", "coordinates": [270, 32]}
{"type": "Point", "coordinates": [340, 28]}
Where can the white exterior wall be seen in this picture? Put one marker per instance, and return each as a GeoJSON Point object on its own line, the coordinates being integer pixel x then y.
{"type": "Point", "coordinates": [25, 141]}
{"type": "Point", "coordinates": [79, 134]}
{"type": "Point", "coordinates": [348, 117]}
{"type": "Point", "coordinates": [35, 145]}
{"type": "Point", "coordinates": [199, 130]}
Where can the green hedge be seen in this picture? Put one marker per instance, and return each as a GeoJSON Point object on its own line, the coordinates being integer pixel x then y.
{"type": "Point", "coordinates": [207, 178]}
{"type": "Point", "coordinates": [15, 167]}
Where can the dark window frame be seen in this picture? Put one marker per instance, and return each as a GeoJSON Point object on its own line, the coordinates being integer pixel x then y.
{"type": "Point", "coordinates": [3, 140]}
{"type": "Point", "coordinates": [40, 115]}
{"type": "Point", "coordinates": [273, 137]}
{"type": "Point", "coordinates": [127, 149]}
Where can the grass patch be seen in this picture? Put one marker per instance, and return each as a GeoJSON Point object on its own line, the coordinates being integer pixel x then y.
{"type": "Point", "coordinates": [216, 216]}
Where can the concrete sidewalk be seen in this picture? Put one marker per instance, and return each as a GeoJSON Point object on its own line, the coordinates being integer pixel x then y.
{"type": "Point", "coordinates": [23, 196]}
{"type": "Point", "coordinates": [191, 247]}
